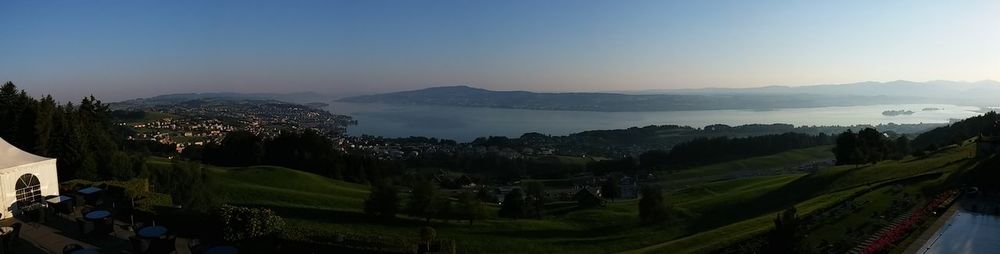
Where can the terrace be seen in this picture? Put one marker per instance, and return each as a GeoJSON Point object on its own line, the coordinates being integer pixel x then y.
{"type": "Point", "coordinates": [95, 220]}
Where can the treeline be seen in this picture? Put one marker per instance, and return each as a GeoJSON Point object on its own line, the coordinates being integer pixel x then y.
{"type": "Point", "coordinates": [307, 151]}
{"type": "Point", "coordinates": [80, 136]}
{"type": "Point", "coordinates": [869, 146]}
{"type": "Point", "coordinates": [703, 151]}
{"type": "Point", "coordinates": [957, 132]}
{"type": "Point", "coordinates": [497, 166]}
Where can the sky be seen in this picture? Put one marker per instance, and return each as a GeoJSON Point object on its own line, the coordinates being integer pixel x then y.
{"type": "Point", "coordinates": [140, 48]}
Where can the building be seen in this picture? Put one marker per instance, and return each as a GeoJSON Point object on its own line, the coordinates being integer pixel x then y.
{"type": "Point", "coordinates": [987, 145]}
{"type": "Point", "coordinates": [629, 187]}
{"type": "Point", "coordinates": [25, 179]}
{"type": "Point", "coordinates": [587, 198]}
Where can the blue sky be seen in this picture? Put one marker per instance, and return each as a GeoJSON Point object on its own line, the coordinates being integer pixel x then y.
{"type": "Point", "coordinates": [124, 49]}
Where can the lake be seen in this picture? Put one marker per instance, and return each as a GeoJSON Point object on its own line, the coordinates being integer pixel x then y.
{"type": "Point", "coordinates": [466, 123]}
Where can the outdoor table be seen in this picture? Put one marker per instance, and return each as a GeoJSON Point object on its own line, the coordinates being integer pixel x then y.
{"type": "Point", "coordinates": [152, 232]}
{"type": "Point", "coordinates": [221, 249]}
{"type": "Point", "coordinates": [83, 251]}
{"type": "Point", "coordinates": [89, 190]}
{"type": "Point", "coordinates": [97, 215]}
{"type": "Point", "coordinates": [61, 203]}
{"type": "Point", "coordinates": [90, 194]}
{"type": "Point", "coordinates": [59, 199]}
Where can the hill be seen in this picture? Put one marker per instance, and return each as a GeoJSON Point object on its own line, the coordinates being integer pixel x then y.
{"type": "Point", "coordinates": [169, 99]}
{"type": "Point", "coordinates": [465, 96]}
{"type": "Point", "coordinates": [709, 212]}
{"type": "Point", "coordinates": [771, 97]}
{"type": "Point", "coordinates": [278, 186]}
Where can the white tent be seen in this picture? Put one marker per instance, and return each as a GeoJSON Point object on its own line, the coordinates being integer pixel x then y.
{"type": "Point", "coordinates": [24, 178]}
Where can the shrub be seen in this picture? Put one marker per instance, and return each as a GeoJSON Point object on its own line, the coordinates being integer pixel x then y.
{"type": "Point", "coordinates": [244, 223]}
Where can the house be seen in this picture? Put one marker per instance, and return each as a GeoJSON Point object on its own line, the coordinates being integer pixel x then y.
{"type": "Point", "coordinates": [501, 192]}
{"type": "Point", "coordinates": [987, 145]}
{"type": "Point", "coordinates": [25, 179]}
{"type": "Point", "coordinates": [629, 187]}
{"type": "Point", "coordinates": [587, 198]}
{"type": "Point", "coordinates": [465, 182]}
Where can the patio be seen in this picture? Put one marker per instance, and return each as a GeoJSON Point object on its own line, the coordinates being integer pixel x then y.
{"type": "Point", "coordinates": [99, 226]}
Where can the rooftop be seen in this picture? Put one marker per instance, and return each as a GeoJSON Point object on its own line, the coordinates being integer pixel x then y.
{"type": "Point", "coordinates": [11, 156]}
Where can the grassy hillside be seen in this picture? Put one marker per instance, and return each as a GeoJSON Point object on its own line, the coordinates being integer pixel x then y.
{"type": "Point", "coordinates": [708, 212]}
{"type": "Point", "coordinates": [278, 186]}
{"type": "Point", "coordinates": [815, 191]}
{"type": "Point", "coordinates": [763, 164]}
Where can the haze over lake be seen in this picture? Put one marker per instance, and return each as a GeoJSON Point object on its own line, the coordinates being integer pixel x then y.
{"type": "Point", "coordinates": [467, 123]}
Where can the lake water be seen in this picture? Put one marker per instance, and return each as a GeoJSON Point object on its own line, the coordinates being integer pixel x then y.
{"type": "Point", "coordinates": [966, 233]}
{"type": "Point", "coordinates": [465, 124]}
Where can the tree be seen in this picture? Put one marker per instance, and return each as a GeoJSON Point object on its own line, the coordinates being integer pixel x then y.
{"type": "Point", "coordinates": [382, 202]}
{"type": "Point", "coordinates": [651, 206]}
{"type": "Point", "coordinates": [45, 125]}
{"type": "Point", "coordinates": [238, 148]}
{"type": "Point", "coordinates": [121, 166]}
{"type": "Point", "coordinates": [902, 147]}
{"type": "Point", "coordinates": [535, 198]}
{"type": "Point", "coordinates": [423, 194]}
{"type": "Point", "coordinates": [427, 235]}
{"type": "Point", "coordinates": [512, 205]}
{"type": "Point", "coordinates": [611, 189]}
{"type": "Point", "coordinates": [707, 150]}
{"type": "Point", "coordinates": [785, 237]}
{"type": "Point", "coordinates": [875, 145]}
{"type": "Point", "coordinates": [441, 208]}
{"type": "Point", "coordinates": [867, 146]}
{"type": "Point", "coordinates": [188, 185]}
{"type": "Point", "coordinates": [470, 207]}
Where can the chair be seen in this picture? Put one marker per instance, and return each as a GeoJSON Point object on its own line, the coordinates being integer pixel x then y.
{"type": "Point", "coordinates": [163, 246]}
{"type": "Point", "coordinates": [71, 248]}
{"type": "Point", "coordinates": [194, 246]}
{"type": "Point", "coordinates": [82, 225]}
{"type": "Point", "coordinates": [17, 230]}
{"type": "Point", "coordinates": [138, 245]}
{"type": "Point", "coordinates": [11, 238]}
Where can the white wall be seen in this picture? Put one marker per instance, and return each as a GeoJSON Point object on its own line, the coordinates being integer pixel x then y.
{"type": "Point", "coordinates": [47, 177]}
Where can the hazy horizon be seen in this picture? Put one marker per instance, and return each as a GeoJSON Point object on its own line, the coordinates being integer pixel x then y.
{"type": "Point", "coordinates": [122, 50]}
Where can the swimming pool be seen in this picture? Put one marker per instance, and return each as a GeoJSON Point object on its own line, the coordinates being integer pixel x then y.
{"type": "Point", "coordinates": [966, 233]}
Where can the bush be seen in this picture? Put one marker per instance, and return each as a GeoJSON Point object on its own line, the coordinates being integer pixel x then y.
{"type": "Point", "coordinates": [244, 223]}
{"type": "Point", "coordinates": [382, 202]}
{"type": "Point", "coordinates": [652, 209]}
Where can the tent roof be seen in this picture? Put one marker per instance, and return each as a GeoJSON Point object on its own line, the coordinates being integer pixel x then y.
{"type": "Point", "coordinates": [11, 156]}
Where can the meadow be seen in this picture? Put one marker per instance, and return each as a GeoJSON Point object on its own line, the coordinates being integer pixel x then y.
{"type": "Point", "coordinates": [707, 210]}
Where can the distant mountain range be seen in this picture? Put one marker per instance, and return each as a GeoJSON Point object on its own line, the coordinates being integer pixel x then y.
{"type": "Point", "coordinates": [763, 98]}
{"type": "Point", "coordinates": [930, 89]}
{"type": "Point", "coordinates": [981, 93]}
{"type": "Point", "coordinates": [168, 99]}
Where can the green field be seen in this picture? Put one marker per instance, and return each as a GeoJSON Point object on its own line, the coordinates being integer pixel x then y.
{"type": "Point", "coordinates": [776, 163]}
{"type": "Point", "coordinates": [276, 186]}
{"type": "Point", "coordinates": [707, 213]}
